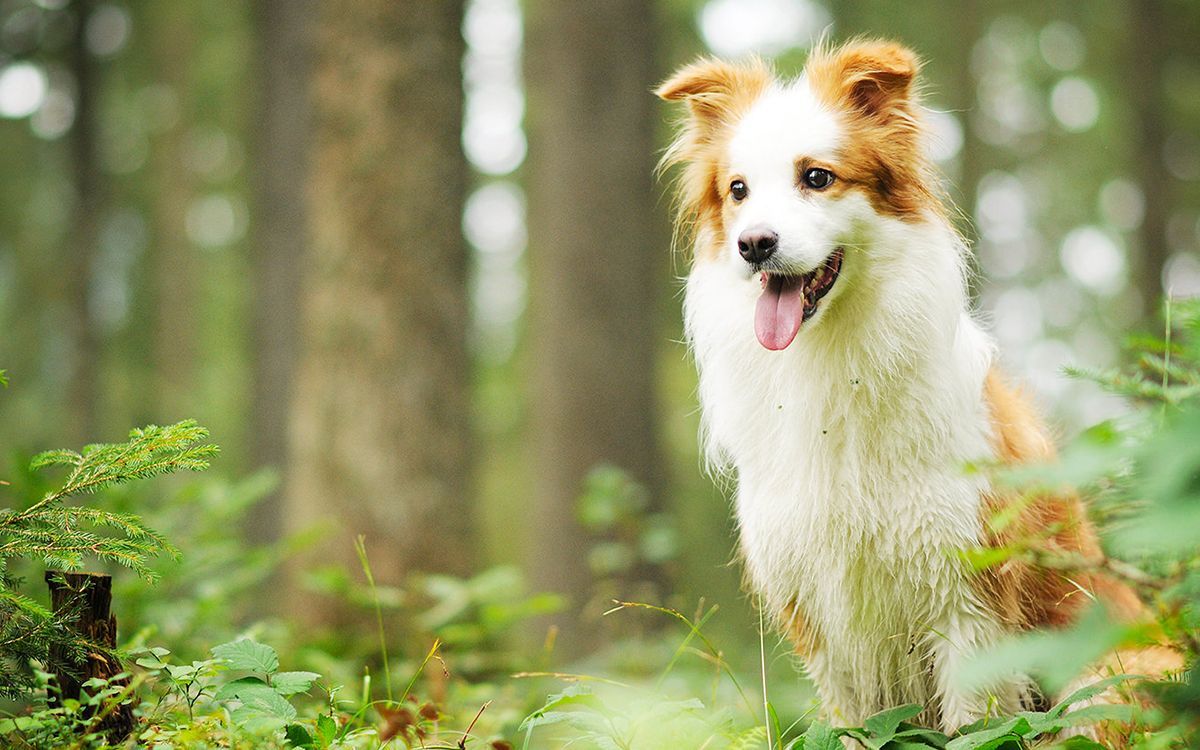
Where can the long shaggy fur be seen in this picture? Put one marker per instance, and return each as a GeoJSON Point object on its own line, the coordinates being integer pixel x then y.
{"type": "Point", "coordinates": [849, 445]}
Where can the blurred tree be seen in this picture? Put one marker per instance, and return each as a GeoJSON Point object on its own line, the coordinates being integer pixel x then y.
{"type": "Point", "coordinates": [1144, 69]}
{"type": "Point", "coordinates": [89, 190]}
{"type": "Point", "coordinates": [284, 34]}
{"type": "Point", "coordinates": [380, 441]}
{"type": "Point", "coordinates": [597, 264]}
{"type": "Point", "coordinates": [175, 272]}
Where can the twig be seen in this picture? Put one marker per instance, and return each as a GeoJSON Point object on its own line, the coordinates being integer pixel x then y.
{"type": "Point", "coordinates": [462, 743]}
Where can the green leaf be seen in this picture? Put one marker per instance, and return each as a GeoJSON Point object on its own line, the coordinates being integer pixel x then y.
{"type": "Point", "coordinates": [1080, 743]}
{"type": "Point", "coordinates": [573, 695]}
{"type": "Point", "coordinates": [258, 700]}
{"type": "Point", "coordinates": [1087, 692]}
{"type": "Point", "coordinates": [247, 655]}
{"type": "Point", "coordinates": [1118, 712]}
{"type": "Point", "coordinates": [327, 729]}
{"type": "Point", "coordinates": [821, 736]}
{"type": "Point", "coordinates": [992, 739]}
{"type": "Point", "coordinates": [774, 719]}
{"type": "Point", "coordinates": [884, 724]}
{"type": "Point", "coordinates": [290, 683]}
{"type": "Point", "coordinates": [244, 686]}
{"type": "Point", "coordinates": [181, 671]}
{"type": "Point", "coordinates": [930, 737]}
{"type": "Point", "coordinates": [299, 736]}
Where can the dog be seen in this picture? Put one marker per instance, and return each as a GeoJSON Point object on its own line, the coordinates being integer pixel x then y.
{"type": "Point", "coordinates": [846, 384]}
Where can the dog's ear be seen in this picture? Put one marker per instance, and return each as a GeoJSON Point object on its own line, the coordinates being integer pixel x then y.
{"type": "Point", "coordinates": [713, 88]}
{"type": "Point", "coordinates": [875, 78]}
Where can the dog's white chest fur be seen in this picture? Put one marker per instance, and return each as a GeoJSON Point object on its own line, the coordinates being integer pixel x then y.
{"type": "Point", "coordinates": [849, 450]}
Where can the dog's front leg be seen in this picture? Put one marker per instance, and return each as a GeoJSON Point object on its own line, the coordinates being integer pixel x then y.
{"type": "Point", "coordinates": [952, 646]}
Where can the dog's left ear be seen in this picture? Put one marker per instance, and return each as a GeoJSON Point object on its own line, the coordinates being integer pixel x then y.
{"type": "Point", "coordinates": [876, 78]}
{"type": "Point", "coordinates": [713, 88]}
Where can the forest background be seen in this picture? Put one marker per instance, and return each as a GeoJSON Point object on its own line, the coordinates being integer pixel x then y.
{"type": "Point", "coordinates": [410, 264]}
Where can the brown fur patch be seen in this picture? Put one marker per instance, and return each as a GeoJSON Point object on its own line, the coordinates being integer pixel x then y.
{"type": "Point", "coordinates": [1051, 523]}
{"type": "Point", "coordinates": [804, 639]}
{"type": "Point", "coordinates": [1027, 596]}
{"type": "Point", "coordinates": [718, 93]}
{"type": "Point", "coordinates": [872, 84]}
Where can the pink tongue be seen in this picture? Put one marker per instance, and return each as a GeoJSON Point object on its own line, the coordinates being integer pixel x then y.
{"type": "Point", "coordinates": [780, 311]}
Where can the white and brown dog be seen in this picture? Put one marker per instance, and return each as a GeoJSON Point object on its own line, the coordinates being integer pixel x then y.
{"type": "Point", "coordinates": [845, 382]}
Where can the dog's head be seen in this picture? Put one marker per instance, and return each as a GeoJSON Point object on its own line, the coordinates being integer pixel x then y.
{"type": "Point", "coordinates": [784, 180]}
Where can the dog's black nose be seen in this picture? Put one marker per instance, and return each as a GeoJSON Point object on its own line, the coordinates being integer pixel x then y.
{"type": "Point", "coordinates": [757, 244]}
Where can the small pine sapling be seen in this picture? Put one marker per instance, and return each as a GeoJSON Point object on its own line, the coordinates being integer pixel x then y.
{"type": "Point", "coordinates": [62, 536]}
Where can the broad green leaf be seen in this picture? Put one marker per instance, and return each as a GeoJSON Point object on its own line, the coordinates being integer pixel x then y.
{"type": "Point", "coordinates": [245, 686]}
{"type": "Point", "coordinates": [181, 671]}
{"type": "Point", "coordinates": [930, 737]}
{"type": "Point", "coordinates": [821, 736]}
{"type": "Point", "coordinates": [256, 697]}
{"type": "Point", "coordinates": [248, 655]}
{"type": "Point", "coordinates": [573, 695]}
{"type": "Point", "coordinates": [290, 683]}
{"type": "Point", "coordinates": [884, 724]}
{"type": "Point", "coordinates": [298, 736]}
{"type": "Point", "coordinates": [988, 739]}
{"type": "Point", "coordinates": [327, 729]}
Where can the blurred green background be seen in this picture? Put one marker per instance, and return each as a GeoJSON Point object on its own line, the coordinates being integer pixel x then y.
{"type": "Point", "coordinates": [412, 257]}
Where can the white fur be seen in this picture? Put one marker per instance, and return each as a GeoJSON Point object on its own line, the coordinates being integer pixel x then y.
{"type": "Point", "coordinates": [849, 446]}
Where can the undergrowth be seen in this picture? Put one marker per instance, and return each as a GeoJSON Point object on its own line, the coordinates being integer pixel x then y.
{"type": "Point", "coordinates": [436, 667]}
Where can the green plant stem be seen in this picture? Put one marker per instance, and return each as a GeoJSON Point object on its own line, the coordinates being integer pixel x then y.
{"type": "Point", "coordinates": [360, 547]}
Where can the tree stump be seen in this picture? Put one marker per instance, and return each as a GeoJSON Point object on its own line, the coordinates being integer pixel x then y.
{"type": "Point", "coordinates": [86, 600]}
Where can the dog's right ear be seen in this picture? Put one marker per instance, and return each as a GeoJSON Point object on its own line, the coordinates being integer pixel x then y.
{"type": "Point", "coordinates": [713, 88]}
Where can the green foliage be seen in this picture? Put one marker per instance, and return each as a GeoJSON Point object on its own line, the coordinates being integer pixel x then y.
{"type": "Point", "coordinates": [614, 719]}
{"type": "Point", "coordinates": [63, 536]}
{"type": "Point", "coordinates": [1141, 473]}
{"type": "Point", "coordinates": [72, 723]}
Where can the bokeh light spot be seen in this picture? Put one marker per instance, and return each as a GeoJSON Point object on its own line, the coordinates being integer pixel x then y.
{"type": "Point", "coordinates": [1075, 105]}
{"type": "Point", "coordinates": [733, 28]}
{"type": "Point", "coordinates": [22, 89]}
{"type": "Point", "coordinates": [1094, 259]}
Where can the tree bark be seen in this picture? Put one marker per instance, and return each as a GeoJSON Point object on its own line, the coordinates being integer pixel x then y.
{"type": "Point", "coordinates": [284, 34]}
{"type": "Point", "coordinates": [173, 267]}
{"type": "Point", "coordinates": [380, 441]}
{"type": "Point", "coordinates": [85, 230]}
{"type": "Point", "coordinates": [597, 258]}
{"type": "Point", "coordinates": [86, 598]}
{"type": "Point", "coordinates": [1145, 68]}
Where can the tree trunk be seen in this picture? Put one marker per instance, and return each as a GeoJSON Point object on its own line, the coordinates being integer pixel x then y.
{"type": "Point", "coordinates": [380, 443]}
{"type": "Point", "coordinates": [284, 34]}
{"type": "Point", "coordinates": [85, 230]}
{"type": "Point", "coordinates": [597, 256]}
{"type": "Point", "coordinates": [85, 599]}
{"type": "Point", "coordinates": [174, 270]}
{"type": "Point", "coordinates": [1146, 65]}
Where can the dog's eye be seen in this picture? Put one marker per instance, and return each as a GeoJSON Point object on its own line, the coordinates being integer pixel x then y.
{"type": "Point", "coordinates": [818, 179]}
{"type": "Point", "coordinates": [738, 190]}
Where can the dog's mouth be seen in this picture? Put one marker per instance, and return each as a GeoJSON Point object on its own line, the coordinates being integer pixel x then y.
{"type": "Point", "coordinates": [789, 300]}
